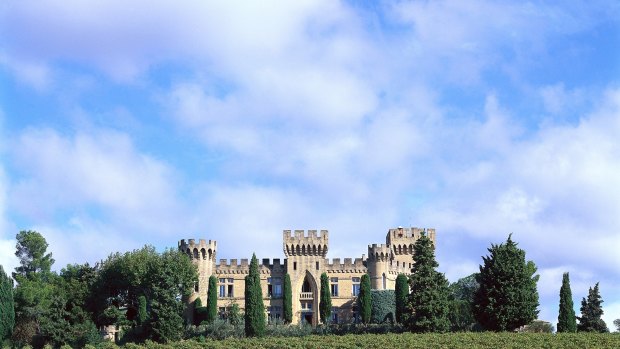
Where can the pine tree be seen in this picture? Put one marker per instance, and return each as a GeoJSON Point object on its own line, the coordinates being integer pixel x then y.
{"type": "Point", "coordinates": [364, 299]}
{"type": "Point", "coordinates": [507, 298]}
{"type": "Point", "coordinates": [591, 312]}
{"type": "Point", "coordinates": [325, 305]}
{"type": "Point", "coordinates": [287, 300]}
{"type": "Point", "coordinates": [402, 292]}
{"type": "Point", "coordinates": [429, 290]}
{"type": "Point", "coordinates": [566, 319]}
{"type": "Point", "coordinates": [7, 306]}
{"type": "Point", "coordinates": [212, 299]}
{"type": "Point", "coordinates": [254, 308]}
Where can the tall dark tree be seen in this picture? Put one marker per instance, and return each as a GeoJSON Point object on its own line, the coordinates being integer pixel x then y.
{"type": "Point", "coordinates": [325, 305]}
{"type": "Point", "coordinates": [254, 307]}
{"type": "Point", "coordinates": [287, 299]}
{"type": "Point", "coordinates": [507, 297]}
{"type": "Point", "coordinates": [429, 290]}
{"type": "Point", "coordinates": [364, 299]}
{"type": "Point", "coordinates": [591, 312]}
{"type": "Point", "coordinates": [7, 307]}
{"type": "Point", "coordinates": [567, 321]}
{"type": "Point", "coordinates": [212, 300]}
{"type": "Point", "coordinates": [401, 294]}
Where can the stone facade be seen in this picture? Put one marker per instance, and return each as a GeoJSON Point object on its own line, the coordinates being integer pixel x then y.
{"type": "Point", "coordinates": [305, 260]}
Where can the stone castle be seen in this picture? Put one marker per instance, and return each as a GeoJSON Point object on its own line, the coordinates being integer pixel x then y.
{"type": "Point", "coordinates": [305, 260]}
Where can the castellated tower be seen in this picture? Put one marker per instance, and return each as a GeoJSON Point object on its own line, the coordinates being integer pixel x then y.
{"type": "Point", "coordinates": [305, 262]}
{"type": "Point", "coordinates": [378, 264]}
{"type": "Point", "coordinates": [401, 241]}
{"type": "Point", "coordinates": [202, 255]}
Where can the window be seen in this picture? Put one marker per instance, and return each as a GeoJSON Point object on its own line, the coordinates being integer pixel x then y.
{"type": "Point", "coordinates": [384, 281]}
{"type": "Point", "coordinates": [334, 286]}
{"type": "Point", "coordinates": [226, 288]}
{"type": "Point", "coordinates": [294, 265]}
{"type": "Point", "coordinates": [334, 315]}
{"type": "Point", "coordinates": [274, 313]}
{"type": "Point", "coordinates": [317, 265]}
{"type": "Point", "coordinates": [274, 287]}
{"type": "Point", "coordinates": [356, 286]}
{"type": "Point", "coordinates": [306, 306]}
{"type": "Point", "coordinates": [195, 287]}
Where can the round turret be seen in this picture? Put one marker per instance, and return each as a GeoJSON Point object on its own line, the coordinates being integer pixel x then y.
{"type": "Point", "coordinates": [203, 255]}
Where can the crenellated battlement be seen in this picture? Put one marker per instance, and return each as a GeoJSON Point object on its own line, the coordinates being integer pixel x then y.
{"type": "Point", "coordinates": [301, 243]}
{"type": "Point", "coordinates": [401, 240]}
{"type": "Point", "coordinates": [205, 250]}
{"type": "Point", "coordinates": [349, 265]}
{"type": "Point", "coordinates": [379, 253]}
{"type": "Point", "coordinates": [236, 266]}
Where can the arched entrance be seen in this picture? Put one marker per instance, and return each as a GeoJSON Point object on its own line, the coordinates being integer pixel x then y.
{"type": "Point", "coordinates": [307, 301]}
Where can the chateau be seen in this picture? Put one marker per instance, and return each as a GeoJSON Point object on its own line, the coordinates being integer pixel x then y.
{"type": "Point", "coordinates": [305, 260]}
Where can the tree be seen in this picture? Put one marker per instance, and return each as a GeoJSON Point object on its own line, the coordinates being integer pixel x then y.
{"type": "Point", "coordinates": [383, 306]}
{"type": "Point", "coordinates": [169, 282]}
{"type": "Point", "coordinates": [7, 306]}
{"type": "Point", "coordinates": [401, 294]}
{"type": "Point", "coordinates": [566, 318]}
{"type": "Point", "coordinates": [364, 299]}
{"type": "Point", "coordinates": [142, 312]}
{"type": "Point", "coordinates": [507, 298]}
{"type": "Point", "coordinates": [591, 312]}
{"type": "Point", "coordinates": [287, 299]}
{"type": "Point", "coordinates": [31, 247]}
{"type": "Point", "coordinates": [617, 324]}
{"type": "Point", "coordinates": [166, 280]}
{"type": "Point", "coordinates": [461, 303]}
{"type": "Point", "coordinates": [254, 308]}
{"type": "Point", "coordinates": [212, 299]}
{"type": "Point", "coordinates": [429, 290]}
{"type": "Point", "coordinates": [325, 305]}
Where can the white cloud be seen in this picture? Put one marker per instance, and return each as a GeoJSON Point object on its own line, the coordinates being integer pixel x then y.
{"type": "Point", "coordinates": [99, 171]}
{"type": "Point", "coordinates": [34, 74]}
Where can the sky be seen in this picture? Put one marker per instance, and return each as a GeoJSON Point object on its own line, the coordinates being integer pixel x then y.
{"type": "Point", "coordinates": [146, 122]}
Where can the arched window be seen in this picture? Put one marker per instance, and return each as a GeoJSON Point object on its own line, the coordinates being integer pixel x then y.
{"type": "Point", "coordinates": [384, 282]}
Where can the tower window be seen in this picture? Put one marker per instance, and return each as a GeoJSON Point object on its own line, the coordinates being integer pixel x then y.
{"type": "Point", "coordinates": [294, 265]}
{"type": "Point", "coordinates": [317, 265]}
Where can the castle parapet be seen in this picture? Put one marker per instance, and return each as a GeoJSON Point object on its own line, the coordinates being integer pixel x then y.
{"type": "Point", "coordinates": [204, 249]}
{"type": "Point", "coordinates": [235, 266]}
{"type": "Point", "coordinates": [301, 243]}
{"type": "Point", "coordinates": [349, 266]}
{"type": "Point", "coordinates": [379, 253]}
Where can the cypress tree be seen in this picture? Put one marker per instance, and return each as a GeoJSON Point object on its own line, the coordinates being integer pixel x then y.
{"type": "Point", "coordinates": [507, 297]}
{"type": "Point", "coordinates": [364, 300]}
{"type": "Point", "coordinates": [142, 314]}
{"type": "Point", "coordinates": [7, 306]}
{"type": "Point", "coordinates": [254, 308]}
{"type": "Point", "coordinates": [287, 299]}
{"type": "Point", "coordinates": [402, 291]}
{"type": "Point", "coordinates": [591, 312]}
{"type": "Point", "coordinates": [429, 290]}
{"type": "Point", "coordinates": [566, 319]}
{"type": "Point", "coordinates": [325, 305]}
{"type": "Point", "coordinates": [212, 299]}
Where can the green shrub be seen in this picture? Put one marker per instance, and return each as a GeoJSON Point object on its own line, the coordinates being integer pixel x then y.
{"type": "Point", "coordinates": [383, 306]}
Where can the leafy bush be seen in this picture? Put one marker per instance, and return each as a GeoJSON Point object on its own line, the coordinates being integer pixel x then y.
{"type": "Point", "coordinates": [383, 306]}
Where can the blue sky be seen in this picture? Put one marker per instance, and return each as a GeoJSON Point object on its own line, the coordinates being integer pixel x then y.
{"type": "Point", "coordinates": [124, 124]}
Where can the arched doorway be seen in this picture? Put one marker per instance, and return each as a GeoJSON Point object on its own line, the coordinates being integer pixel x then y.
{"type": "Point", "coordinates": [307, 301]}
